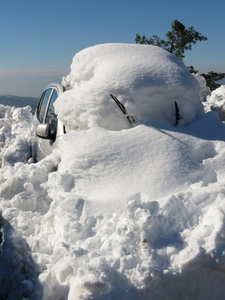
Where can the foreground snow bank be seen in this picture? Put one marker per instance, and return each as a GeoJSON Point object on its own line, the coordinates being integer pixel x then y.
{"type": "Point", "coordinates": [132, 214]}
{"type": "Point", "coordinates": [146, 79]}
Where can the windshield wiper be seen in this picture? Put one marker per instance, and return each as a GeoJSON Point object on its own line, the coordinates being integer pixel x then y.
{"type": "Point", "coordinates": [123, 109]}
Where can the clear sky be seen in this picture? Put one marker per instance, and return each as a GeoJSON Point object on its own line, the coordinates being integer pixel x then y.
{"type": "Point", "coordinates": [40, 37]}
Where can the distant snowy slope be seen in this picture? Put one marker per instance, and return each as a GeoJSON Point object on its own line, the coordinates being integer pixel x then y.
{"type": "Point", "coordinates": [18, 101]}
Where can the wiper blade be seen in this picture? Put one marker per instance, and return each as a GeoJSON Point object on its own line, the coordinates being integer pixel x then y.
{"type": "Point", "coordinates": [123, 109]}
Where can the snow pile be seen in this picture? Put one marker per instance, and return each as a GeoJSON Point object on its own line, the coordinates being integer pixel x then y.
{"type": "Point", "coordinates": [216, 102]}
{"type": "Point", "coordinates": [14, 135]}
{"type": "Point", "coordinates": [115, 215]}
{"type": "Point", "coordinates": [148, 81]}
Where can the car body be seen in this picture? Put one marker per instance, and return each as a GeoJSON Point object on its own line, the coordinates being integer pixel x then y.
{"type": "Point", "coordinates": [46, 129]}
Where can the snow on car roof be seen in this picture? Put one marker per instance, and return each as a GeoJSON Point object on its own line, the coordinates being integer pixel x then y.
{"type": "Point", "coordinates": [147, 80]}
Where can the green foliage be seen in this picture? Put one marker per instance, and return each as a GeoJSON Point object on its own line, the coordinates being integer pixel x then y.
{"type": "Point", "coordinates": [192, 69]}
{"type": "Point", "coordinates": [178, 40]}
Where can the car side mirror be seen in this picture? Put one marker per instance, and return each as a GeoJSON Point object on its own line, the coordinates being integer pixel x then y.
{"type": "Point", "coordinates": [44, 131]}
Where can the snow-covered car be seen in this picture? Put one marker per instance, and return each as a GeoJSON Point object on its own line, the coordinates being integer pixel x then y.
{"type": "Point", "coordinates": [127, 213]}
{"type": "Point", "coordinates": [116, 87]}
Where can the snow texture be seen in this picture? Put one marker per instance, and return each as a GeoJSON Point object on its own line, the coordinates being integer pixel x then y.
{"type": "Point", "coordinates": [123, 214]}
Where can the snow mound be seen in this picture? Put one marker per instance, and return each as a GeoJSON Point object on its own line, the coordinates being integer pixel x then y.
{"type": "Point", "coordinates": [147, 80]}
{"type": "Point", "coordinates": [113, 214]}
{"type": "Point", "coordinates": [216, 102]}
{"type": "Point", "coordinates": [129, 156]}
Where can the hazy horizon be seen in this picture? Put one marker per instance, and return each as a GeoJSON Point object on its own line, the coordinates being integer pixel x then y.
{"type": "Point", "coordinates": [40, 40]}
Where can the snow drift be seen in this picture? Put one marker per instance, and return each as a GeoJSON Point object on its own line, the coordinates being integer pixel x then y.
{"type": "Point", "coordinates": [65, 237]}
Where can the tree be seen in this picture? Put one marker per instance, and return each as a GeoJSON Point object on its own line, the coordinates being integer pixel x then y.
{"type": "Point", "coordinates": [180, 39]}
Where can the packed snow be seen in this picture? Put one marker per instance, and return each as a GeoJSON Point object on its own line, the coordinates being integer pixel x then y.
{"type": "Point", "coordinates": [134, 213]}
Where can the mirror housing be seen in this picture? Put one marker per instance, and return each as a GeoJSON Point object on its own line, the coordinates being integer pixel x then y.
{"type": "Point", "coordinates": [44, 131]}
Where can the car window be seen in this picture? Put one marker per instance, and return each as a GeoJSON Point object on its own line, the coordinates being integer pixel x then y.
{"type": "Point", "coordinates": [51, 117]}
{"type": "Point", "coordinates": [43, 104]}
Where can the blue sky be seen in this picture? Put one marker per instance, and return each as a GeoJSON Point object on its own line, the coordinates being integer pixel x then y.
{"type": "Point", "coordinates": [39, 38]}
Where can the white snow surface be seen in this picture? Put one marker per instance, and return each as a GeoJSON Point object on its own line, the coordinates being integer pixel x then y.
{"type": "Point", "coordinates": [135, 213]}
{"type": "Point", "coordinates": [146, 79]}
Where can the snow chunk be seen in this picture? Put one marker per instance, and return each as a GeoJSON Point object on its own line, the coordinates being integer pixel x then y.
{"type": "Point", "coordinates": [147, 80]}
{"type": "Point", "coordinates": [216, 102]}
{"type": "Point", "coordinates": [14, 134]}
